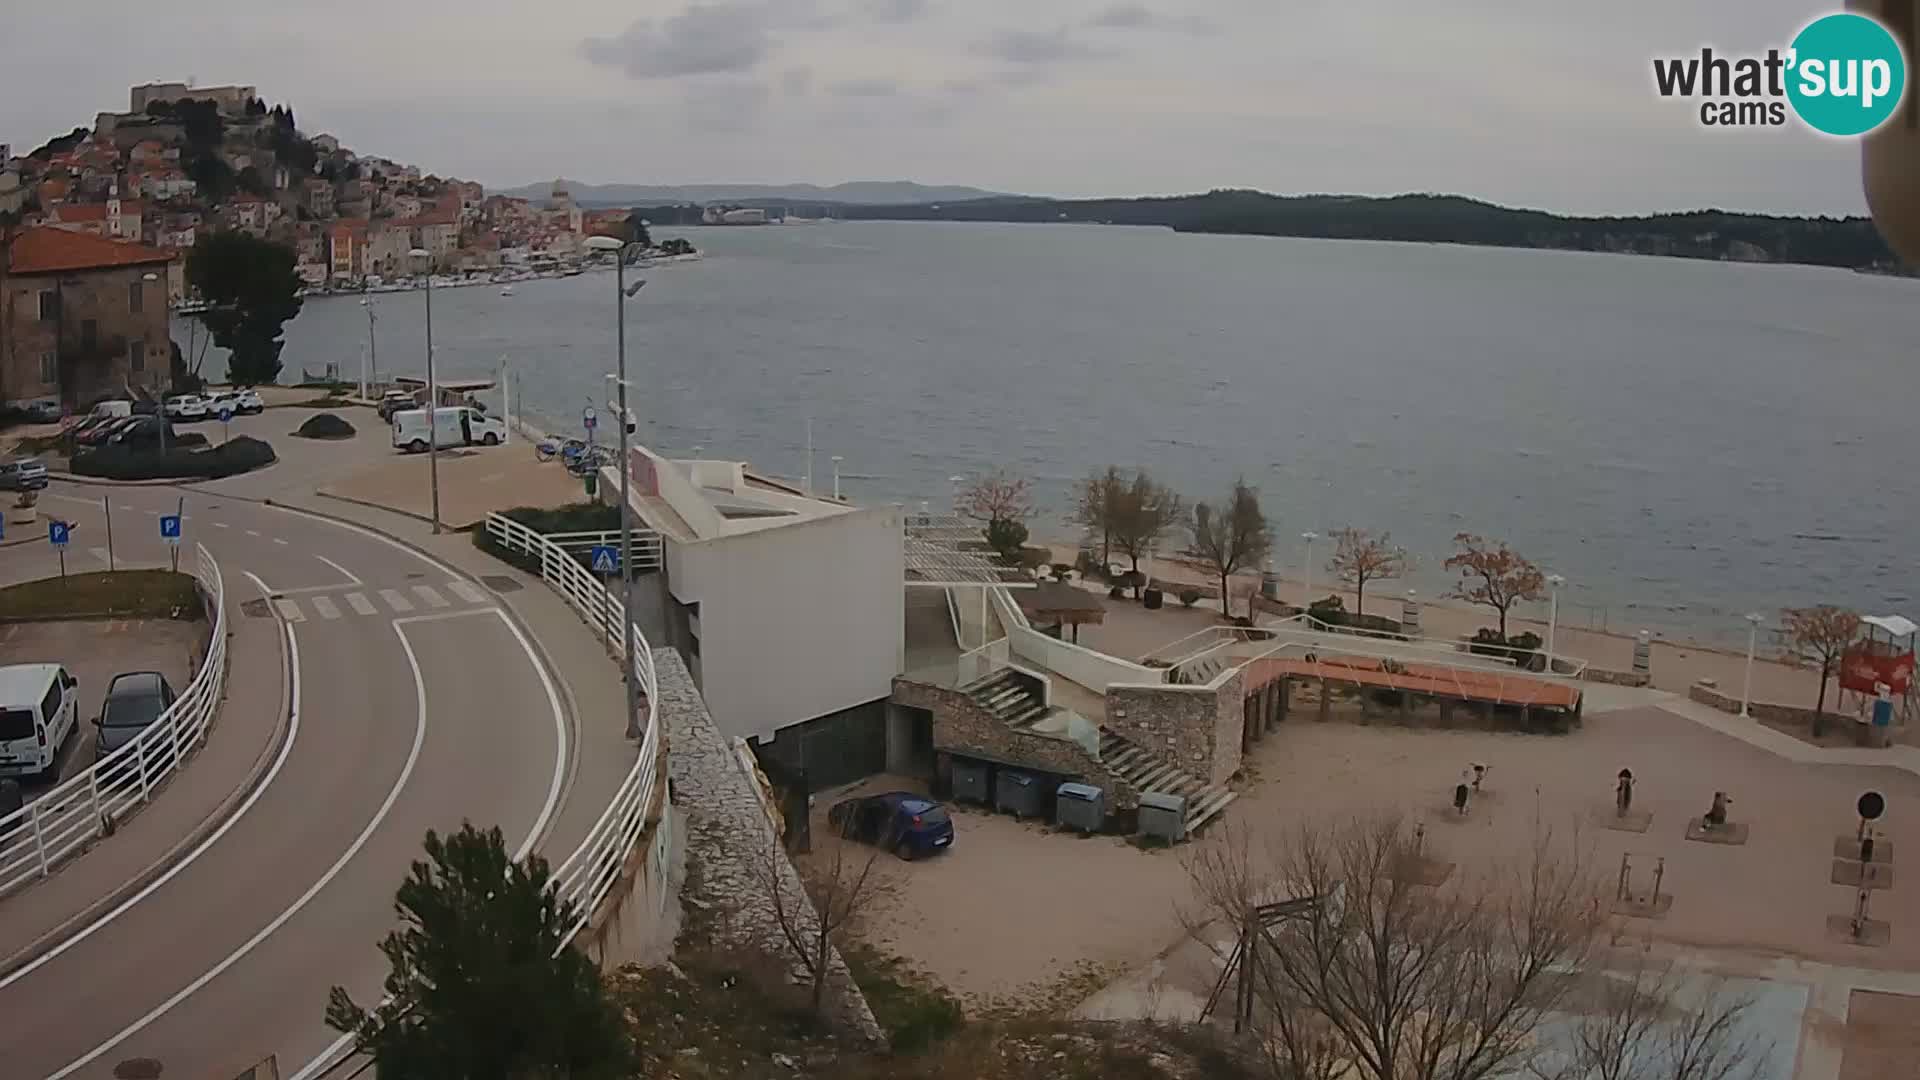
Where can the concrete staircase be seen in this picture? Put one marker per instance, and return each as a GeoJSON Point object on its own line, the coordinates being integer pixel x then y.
{"type": "Point", "coordinates": [1009, 696]}
{"type": "Point", "coordinates": [1147, 771]}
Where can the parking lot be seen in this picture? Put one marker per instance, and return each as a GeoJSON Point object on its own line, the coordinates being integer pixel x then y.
{"type": "Point", "coordinates": [94, 652]}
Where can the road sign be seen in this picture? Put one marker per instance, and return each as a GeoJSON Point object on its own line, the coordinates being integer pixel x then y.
{"type": "Point", "coordinates": [58, 532]}
{"type": "Point", "coordinates": [170, 529]}
{"type": "Point", "coordinates": [226, 415]}
{"type": "Point", "coordinates": [590, 418]}
{"type": "Point", "coordinates": [606, 559]}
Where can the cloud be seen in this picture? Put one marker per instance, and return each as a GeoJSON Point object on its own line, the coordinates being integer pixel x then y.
{"type": "Point", "coordinates": [727, 106]}
{"type": "Point", "coordinates": [1130, 16]}
{"type": "Point", "coordinates": [796, 82]}
{"type": "Point", "coordinates": [865, 88]}
{"type": "Point", "coordinates": [702, 40]}
{"type": "Point", "coordinates": [1032, 46]}
{"type": "Point", "coordinates": [895, 11]}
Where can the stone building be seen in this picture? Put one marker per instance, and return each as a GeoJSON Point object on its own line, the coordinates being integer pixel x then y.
{"type": "Point", "coordinates": [81, 317]}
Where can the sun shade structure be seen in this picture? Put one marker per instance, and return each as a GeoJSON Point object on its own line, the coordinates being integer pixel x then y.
{"type": "Point", "coordinates": [936, 559]}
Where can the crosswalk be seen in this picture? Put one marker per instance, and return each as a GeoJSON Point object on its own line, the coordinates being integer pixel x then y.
{"type": "Point", "coordinates": [391, 601]}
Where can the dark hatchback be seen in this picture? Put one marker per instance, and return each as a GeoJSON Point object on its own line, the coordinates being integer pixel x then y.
{"type": "Point", "coordinates": [906, 824]}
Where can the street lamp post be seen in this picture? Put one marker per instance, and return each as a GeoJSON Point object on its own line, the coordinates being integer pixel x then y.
{"type": "Point", "coordinates": [1554, 581]}
{"type": "Point", "coordinates": [1746, 686]}
{"type": "Point", "coordinates": [620, 296]}
{"type": "Point", "coordinates": [837, 459]}
{"type": "Point", "coordinates": [425, 258]}
{"type": "Point", "coordinates": [1307, 567]}
{"type": "Point", "coordinates": [370, 370]}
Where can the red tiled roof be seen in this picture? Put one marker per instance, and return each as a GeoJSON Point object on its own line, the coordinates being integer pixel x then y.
{"type": "Point", "coordinates": [47, 250]}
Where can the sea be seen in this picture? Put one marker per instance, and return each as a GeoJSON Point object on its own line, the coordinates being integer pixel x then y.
{"type": "Point", "coordinates": [1683, 441]}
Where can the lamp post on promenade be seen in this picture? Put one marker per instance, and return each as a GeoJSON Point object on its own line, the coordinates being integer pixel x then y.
{"type": "Point", "coordinates": [621, 294]}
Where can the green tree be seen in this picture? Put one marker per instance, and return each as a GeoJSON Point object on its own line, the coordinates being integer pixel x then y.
{"type": "Point", "coordinates": [636, 230]}
{"type": "Point", "coordinates": [481, 986]}
{"type": "Point", "coordinates": [251, 287]}
{"type": "Point", "coordinates": [1006, 536]}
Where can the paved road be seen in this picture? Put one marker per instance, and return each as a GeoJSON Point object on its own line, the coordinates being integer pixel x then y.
{"type": "Point", "coordinates": [418, 705]}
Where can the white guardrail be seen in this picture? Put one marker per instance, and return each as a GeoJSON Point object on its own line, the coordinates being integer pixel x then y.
{"type": "Point", "coordinates": [36, 837]}
{"type": "Point", "coordinates": [588, 874]}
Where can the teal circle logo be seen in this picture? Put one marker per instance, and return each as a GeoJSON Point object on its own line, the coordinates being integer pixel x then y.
{"type": "Point", "coordinates": [1847, 74]}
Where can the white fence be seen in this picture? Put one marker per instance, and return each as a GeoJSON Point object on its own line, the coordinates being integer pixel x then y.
{"type": "Point", "coordinates": [588, 875]}
{"type": "Point", "coordinates": [646, 544]}
{"type": "Point", "coordinates": [36, 837]}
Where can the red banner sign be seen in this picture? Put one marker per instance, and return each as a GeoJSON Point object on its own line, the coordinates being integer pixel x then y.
{"type": "Point", "coordinates": [1863, 671]}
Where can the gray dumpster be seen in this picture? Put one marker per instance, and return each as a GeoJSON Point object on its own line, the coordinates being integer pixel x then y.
{"type": "Point", "coordinates": [1017, 792]}
{"type": "Point", "coordinates": [1079, 806]}
{"type": "Point", "coordinates": [970, 782]}
{"type": "Point", "coordinates": [1163, 816]}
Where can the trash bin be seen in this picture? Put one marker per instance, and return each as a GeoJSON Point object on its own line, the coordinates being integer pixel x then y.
{"type": "Point", "coordinates": [1163, 816]}
{"type": "Point", "coordinates": [1079, 806]}
{"type": "Point", "coordinates": [1017, 793]}
{"type": "Point", "coordinates": [970, 781]}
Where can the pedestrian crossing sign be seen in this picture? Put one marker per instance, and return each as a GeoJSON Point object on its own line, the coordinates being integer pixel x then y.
{"type": "Point", "coordinates": [606, 559]}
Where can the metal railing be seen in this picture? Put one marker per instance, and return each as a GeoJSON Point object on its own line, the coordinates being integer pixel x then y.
{"type": "Point", "coordinates": [588, 875]}
{"type": "Point", "coordinates": [646, 544]}
{"type": "Point", "coordinates": [38, 836]}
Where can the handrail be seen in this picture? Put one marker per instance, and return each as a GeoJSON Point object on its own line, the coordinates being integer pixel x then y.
{"type": "Point", "coordinates": [647, 549]}
{"type": "Point", "coordinates": [587, 875]}
{"type": "Point", "coordinates": [39, 835]}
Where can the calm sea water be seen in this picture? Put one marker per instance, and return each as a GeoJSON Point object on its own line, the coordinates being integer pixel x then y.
{"type": "Point", "coordinates": [1684, 441]}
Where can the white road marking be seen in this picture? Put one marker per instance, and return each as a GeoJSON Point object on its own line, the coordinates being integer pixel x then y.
{"type": "Point", "coordinates": [126, 508]}
{"type": "Point", "coordinates": [221, 525]}
{"type": "Point", "coordinates": [467, 591]}
{"type": "Point", "coordinates": [293, 733]}
{"type": "Point", "coordinates": [348, 574]}
{"type": "Point", "coordinates": [432, 598]}
{"type": "Point", "coordinates": [71, 499]}
{"type": "Point", "coordinates": [396, 601]}
{"type": "Point", "coordinates": [252, 532]}
{"type": "Point", "coordinates": [325, 607]}
{"type": "Point", "coordinates": [380, 815]}
{"type": "Point", "coordinates": [101, 554]}
{"type": "Point", "coordinates": [289, 610]}
{"type": "Point", "coordinates": [153, 513]}
{"type": "Point", "coordinates": [279, 541]}
{"type": "Point", "coordinates": [360, 604]}
{"type": "Point", "coordinates": [325, 1059]}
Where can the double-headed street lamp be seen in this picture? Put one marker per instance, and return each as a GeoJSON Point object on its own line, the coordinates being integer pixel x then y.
{"type": "Point", "coordinates": [425, 257]}
{"type": "Point", "coordinates": [621, 294]}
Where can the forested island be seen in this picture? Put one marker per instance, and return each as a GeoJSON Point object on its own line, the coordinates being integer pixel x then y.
{"type": "Point", "coordinates": [1439, 219]}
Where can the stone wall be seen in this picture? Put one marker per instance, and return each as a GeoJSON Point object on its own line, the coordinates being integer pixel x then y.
{"type": "Point", "coordinates": [729, 834]}
{"type": "Point", "coordinates": [1617, 678]}
{"type": "Point", "coordinates": [1195, 727]}
{"type": "Point", "coordinates": [1780, 714]}
{"type": "Point", "coordinates": [962, 726]}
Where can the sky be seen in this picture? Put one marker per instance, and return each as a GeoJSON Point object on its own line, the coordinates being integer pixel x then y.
{"type": "Point", "coordinates": [1548, 104]}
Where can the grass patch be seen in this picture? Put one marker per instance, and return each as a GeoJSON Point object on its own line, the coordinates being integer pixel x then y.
{"type": "Point", "coordinates": [145, 594]}
{"type": "Point", "coordinates": [914, 1012]}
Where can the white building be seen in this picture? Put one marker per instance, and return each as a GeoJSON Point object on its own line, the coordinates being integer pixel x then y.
{"type": "Point", "coordinates": [789, 607]}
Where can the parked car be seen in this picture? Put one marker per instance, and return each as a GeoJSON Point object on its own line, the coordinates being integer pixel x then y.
{"type": "Point", "coordinates": [223, 401]}
{"type": "Point", "coordinates": [111, 408]}
{"type": "Point", "coordinates": [26, 474]}
{"type": "Point", "coordinates": [98, 434]}
{"type": "Point", "coordinates": [250, 403]}
{"type": "Point", "coordinates": [142, 431]}
{"type": "Point", "coordinates": [394, 401]}
{"type": "Point", "coordinates": [43, 411]}
{"type": "Point", "coordinates": [39, 708]}
{"type": "Point", "coordinates": [186, 407]}
{"type": "Point", "coordinates": [906, 824]}
{"type": "Point", "coordinates": [453, 425]}
{"type": "Point", "coordinates": [134, 700]}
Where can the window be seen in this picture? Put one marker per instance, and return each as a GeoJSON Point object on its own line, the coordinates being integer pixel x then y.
{"type": "Point", "coordinates": [89, 334]}
{"type": "Point", "coordinates": [16, 724]}
{"type": "Point", "coordinates": [49, 367]}
{"type": "Point", "coordinates": [137, 356]}
{"type": "Point", "coordinates": [50, 306]}
{"type": "Point", "coordinates": [50, 705]}
{"type": "Point", "coordinates": [133, 299]}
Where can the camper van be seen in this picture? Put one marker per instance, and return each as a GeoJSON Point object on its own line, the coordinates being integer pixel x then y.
{"type": "Point", "coordinates": [38, 706]}
{"type": "Point", "coordinates": [453, 425]}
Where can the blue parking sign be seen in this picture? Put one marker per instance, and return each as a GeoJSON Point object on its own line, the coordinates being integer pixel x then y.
{"type": "Point", "coordinates": [606, 559]}
{"type": "Point", "coordinates": [170, 528]}
{"type": "Point", "coordinates": [57, 532]}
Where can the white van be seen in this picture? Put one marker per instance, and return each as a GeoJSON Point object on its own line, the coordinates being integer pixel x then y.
{"type": "Point", "coordinates": [453, 425]}
{"type": "Point", "coordinates": [39, 708]}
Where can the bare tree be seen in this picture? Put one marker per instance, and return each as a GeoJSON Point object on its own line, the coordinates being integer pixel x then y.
{"type": "Point", "coordinates": [998, 496]}
{"type": "Point", "coordinates": [1493, 575]}
{"type": "Point", "coordinates": [1383, 978]}
{"type": "Point", "coordinates": [1092, 507]}
{"type": "Point", "coordinates": [838, 886]}
{"type": "Point", "coordinates": [1140, 512]}
{"type": "Point", "coordinates": [1820, 635]}
{"type": "Point", "coordinates": [1650, 1022]}
{"type": "Point", "coordinates": [1360, 557]}
{"type": "Point", "coordinates": [1231, 537]}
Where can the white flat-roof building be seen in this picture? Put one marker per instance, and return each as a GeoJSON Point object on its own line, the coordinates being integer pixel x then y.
{"type": "Point", "coordinates": [789, 606]}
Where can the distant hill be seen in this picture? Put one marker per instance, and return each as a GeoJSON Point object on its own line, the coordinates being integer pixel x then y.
{"type": "Point", "coordinates": [863, 192]}
{"type": "Point", "coordinates": [1443, 219]}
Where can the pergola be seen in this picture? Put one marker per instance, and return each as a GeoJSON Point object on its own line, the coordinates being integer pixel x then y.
{"type": "Point", "coordinates": [935, 559]}
{"type": "Point", "coordinates": [1058, 603]}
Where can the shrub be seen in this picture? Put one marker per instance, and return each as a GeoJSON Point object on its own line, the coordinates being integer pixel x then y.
{"type": "Point", "coordinates": [325, 426]}
{"type": "Point", "coordinates": [1087, 563]}
{"type": "Point", "coordinates": [1189, 596]}
{"type": "Point", "coordinates": [1331, 610]}
{"type": "Point", "coordinates": [235, 456]}
{"type": "Point", "coordinates": [1061, 570]}
{"type": "Point", "coordinates": [1118, 592]}
{"type": "Point", "coordinates": [1006, 537]}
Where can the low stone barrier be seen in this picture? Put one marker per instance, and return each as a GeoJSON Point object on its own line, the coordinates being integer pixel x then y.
{"type": "Point", "coordinates": [1767, 712]}
{"type": "Point", "coordinates": [1620, 678]}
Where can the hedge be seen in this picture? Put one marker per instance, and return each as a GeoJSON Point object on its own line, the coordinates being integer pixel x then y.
{"type": "Point", "coordinates": [324, 426]}
{"type": "Point", "coordinates": [230, 458]}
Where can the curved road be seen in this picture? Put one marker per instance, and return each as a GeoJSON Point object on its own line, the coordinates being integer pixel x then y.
{"type": "Point", "coordinates": [416, 704]}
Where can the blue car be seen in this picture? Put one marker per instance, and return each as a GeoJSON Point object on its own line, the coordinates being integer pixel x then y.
{"type": "Point", "coordinates": [906, 824]}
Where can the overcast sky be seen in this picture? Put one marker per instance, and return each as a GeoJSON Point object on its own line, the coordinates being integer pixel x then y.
{"type": "Point", "coordinates": [1546, 104]}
